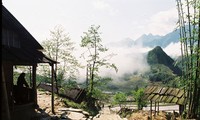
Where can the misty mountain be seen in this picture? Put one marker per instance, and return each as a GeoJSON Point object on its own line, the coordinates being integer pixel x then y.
{"type": "Point", "coordinates": [156, 40]}
{"type": "Point", "coordinates": [149, 40]}
{"type": "Point", "coordinates": [158, 56]}
{"type": "Point", "coordinates": [162, 71]}
{"type": "Point", "coordinates": [127, 42]}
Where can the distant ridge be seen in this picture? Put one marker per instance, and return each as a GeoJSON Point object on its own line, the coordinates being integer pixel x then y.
{"type": "Point", "coordinates": [149, 40]}
{"type": "Point", "coordinates": [156, 40]}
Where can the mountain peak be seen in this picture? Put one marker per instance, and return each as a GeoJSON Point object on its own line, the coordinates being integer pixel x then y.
{"type": "Point", "coordinates": [158, 48]}
{"type": "Point", "coordinates": [158, 56]}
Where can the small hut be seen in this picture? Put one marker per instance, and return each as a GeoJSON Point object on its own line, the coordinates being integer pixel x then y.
{"type": "Point", "coordinates": [19, 47]}
{"type": "Point", "coordinates": [158, 94]}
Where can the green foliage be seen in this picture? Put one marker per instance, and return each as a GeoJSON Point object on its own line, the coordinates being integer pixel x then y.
{"type": "Point", "coordinates": [127, 83]}
{"type": "Point", "coordinates": [83, 105]}
{"type": "Point", "coordinates": [72, 104]}
{"type": "Point", "coordinates": [158, 56]}
{"type": "Point", "coordinates": [189, 22]}
{"type": "Point", "coordinates": [98, 94]}
{"type": "Point", "coordinates": [92, 42]}
{"type": "Point", "coordinates": [163, 68]}
{"type": "Point", "coordinates": [41, 78]}
{"type": "Point", "coordinates": [161, 73]}
{"type": "Point", "coordinates": [17, 70]}
{"type": "Point", "coordinates": [102, 83]}
{"type": "Point", "coordinates": [68, 84]}
{"type": "Point", "coordinates": [60, 47]}
{"type": "Point", "coordinates": [176, 83]}
{"type": "Point", "coordinates": [138, 96]}
{"type": "Point", "coordinates": [118, 98]}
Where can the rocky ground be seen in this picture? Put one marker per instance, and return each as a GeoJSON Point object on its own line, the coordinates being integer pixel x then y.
{"type": "Point", "coordinates": [61, 111]}
{"type": "Point", "coordinates": [65, 113]}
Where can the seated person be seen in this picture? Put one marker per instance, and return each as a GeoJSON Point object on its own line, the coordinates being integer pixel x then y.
{"type": "Point", "coordinates": [22, 91]}
{"type": "Point", "coordinates": [21, 81]}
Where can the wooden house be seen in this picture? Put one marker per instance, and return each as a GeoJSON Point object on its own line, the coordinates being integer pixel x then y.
{"type": "Point", "coordinates": [19, 47]}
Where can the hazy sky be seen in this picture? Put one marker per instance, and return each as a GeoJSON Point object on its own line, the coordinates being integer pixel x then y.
{"type": "Point", "coordinates": [118, 19]}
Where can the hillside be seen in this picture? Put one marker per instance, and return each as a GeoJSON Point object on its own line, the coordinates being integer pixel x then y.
{"type": "Point", "coordinates": [158, 56]}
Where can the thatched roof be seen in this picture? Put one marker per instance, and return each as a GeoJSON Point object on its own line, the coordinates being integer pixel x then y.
{"type": "Point", "coordinates": [166, 95]}
{"type": "Point", "coordinates": [75, 94]}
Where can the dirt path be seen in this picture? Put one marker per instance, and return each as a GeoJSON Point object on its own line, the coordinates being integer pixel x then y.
{"type": "Point", "coordinates": [44, 102]}
{"type": "Point", "coordinates": [107, 114]}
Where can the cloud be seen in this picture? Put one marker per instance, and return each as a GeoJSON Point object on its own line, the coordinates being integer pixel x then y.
{"type": "Point", "coordinates": [173, 50]}
{"type": "Point", "coordinates": [104, 6]}
{"type": "Point", "coordinates": [128, 60]}
{"type": "Point", "coordinates": [163, 22]}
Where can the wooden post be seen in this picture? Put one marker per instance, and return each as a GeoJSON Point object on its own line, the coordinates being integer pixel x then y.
{"type": "Point", "coordinates": [52, 88]}
{"type": "Point", "coordinates": [34, 84]}
{"type": "Point", "coordinates": [155, 110]}
{"type": "Point", "coordinates": [5, 111]}
{"type": "Point", "coordinates": [31, 76]}
{"type": "Point", "coordinates": [181, 109]}
{"type": "Point", "coordinates": [158, 109]}
{"type": "Point", "coordinates": [151, 110]}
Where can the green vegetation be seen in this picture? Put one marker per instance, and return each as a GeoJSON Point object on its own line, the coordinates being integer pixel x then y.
{"type": "Point", "coordinates": [119, 98]}
{"type": "Point", "coordinates": [162, 67]}
{"type": "Point", "coordinates": [92, 42]}
{"type": "Point", "coordinates": [161, 73]}
{"type": "Point", "coordinates": [138, 95]}
{"type": "Point", "coordinates": [189, 24]}
{"type": "Point", "coordinates": [158, 56]}
{"type": "Point", "coordinates": [59, 47]}
{"type": "Point", "coordinates": [82, 105]}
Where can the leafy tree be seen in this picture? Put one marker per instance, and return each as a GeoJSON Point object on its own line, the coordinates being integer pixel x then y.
{"type": "Point", "coordinates": [59, 47]}
{"type": "Point", "coordinates": [92, 42]}
{"type": "Point", "coordinates": [119, 98]}
{"type": "Point", "coordinates": [69, 84]}
{"type": "Point", "coordinates": [98, 94]}
{"type": "Point", "coordinates": [189, 24]}
{"type": "Point", "coordinates": [138, 95]}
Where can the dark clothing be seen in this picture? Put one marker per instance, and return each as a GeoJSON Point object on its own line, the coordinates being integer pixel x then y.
{"type": "Point", "coordinates": [22, 90]}
{"type": "Point", "coordinates": [21, 81]}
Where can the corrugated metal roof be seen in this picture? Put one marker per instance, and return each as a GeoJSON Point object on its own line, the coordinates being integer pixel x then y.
{"type": "Point", "coordinates": [165, 94]}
